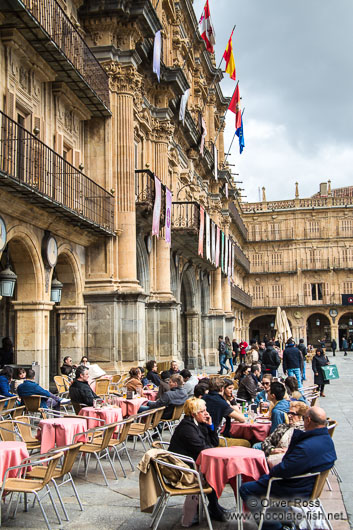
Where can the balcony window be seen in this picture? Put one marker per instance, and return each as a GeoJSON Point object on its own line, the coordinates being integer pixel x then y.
{"type": "Point", "coordinates": [316, 291]}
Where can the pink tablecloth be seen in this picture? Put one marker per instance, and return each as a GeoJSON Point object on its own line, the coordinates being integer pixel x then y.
{"type": "Point", "coordinates": [59, 431]}
{"type": "Point", "coordinates": [108, 414]}
{"type": "Point", "coordinates": [222, 464]}
{"type": "Point", "coordinates": [11, 454]}
{"type": "Point", "coordinates": [253, 432]}
{"type": "Point", "coordinates": [151, 395]}
{"type": "Point", "coordinates": [130, 407]}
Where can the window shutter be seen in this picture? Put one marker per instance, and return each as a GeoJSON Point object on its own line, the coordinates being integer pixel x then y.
{"type": "Point", "coordinates": [307, 289]}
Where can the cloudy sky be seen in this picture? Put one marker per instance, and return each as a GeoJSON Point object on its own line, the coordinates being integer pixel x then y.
{"type": "Point", "coordinates": [295, 71]}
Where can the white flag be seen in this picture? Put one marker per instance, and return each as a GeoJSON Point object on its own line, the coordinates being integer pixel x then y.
{"type": "Point", "coordinates": [183, 105]}
{"type": "Point", "coordinates": [157, 54]}
{"type": "Point", "coordinates": [208, 243]}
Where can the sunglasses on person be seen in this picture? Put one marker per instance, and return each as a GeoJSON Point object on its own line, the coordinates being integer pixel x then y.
{"type": "Point", "coordinates": [266, 383]}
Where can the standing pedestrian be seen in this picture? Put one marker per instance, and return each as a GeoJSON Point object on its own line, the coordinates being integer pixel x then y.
{"type": "Point", "coordinates": [304, 351]}
{"type": "Point", "coordinates": [222, 355]}
{"type": "Point", "coordinates": [292, 361]}
{"type": "Point", "coordinates": [235, 347]}
{"type": "Point", "coordinates": [242, 351]}
{"type": "Point", "coordinates": [229, 352]}
{"type": "Point", "coordinates": [334, 347]}
{"type": "Point", "coordinates": [344, 345]}
{"type": "Point", "coordinates": [320, 360]}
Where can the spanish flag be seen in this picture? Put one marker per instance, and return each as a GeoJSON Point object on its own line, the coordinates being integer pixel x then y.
{"type": "Point", "coordinates": [234, 106]}
{"type": "Point", "coordinates": [229, 58]}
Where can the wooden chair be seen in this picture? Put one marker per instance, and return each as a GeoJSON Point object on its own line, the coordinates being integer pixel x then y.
{"type": "Point", "coordinates": [315, 494]}
{"type": "Point", "coordinates": [28, 486]}
{"type": "Point", "coordinates": [232, 442]}
{"type": "Point", "coordinates": [139, 429]}
{"type": "Point", "coordinates": [177, 413]}
{"type": "Point", "coordinates": [32, 403]}
{"type": "Point", "coordinates": [119, 444]}
{"type": "Point", "coordinates": [62, 471]}
{"type": "Point", "coordinates": [60, 386]}
{"type": "Point", "coordinates": [98, 446]}
{"type": "Point", "coordinates": [156, 419]}
{"type": "Point", "coordinates": [24, 428]}
{"type": "Point", "coordinates": [331, 426]}
{"type": "Point", "coordinates": [66, 381]}
{"type": "Point", "coordinates": [169, 491]}
{"type": "Point", "coordinates": [102, 387]}
{"type": "Point", "coordinates": [114, 383]}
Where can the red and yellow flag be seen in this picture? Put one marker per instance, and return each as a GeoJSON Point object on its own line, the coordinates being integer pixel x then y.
{"type": "Point", "coordinates": [229, 58]}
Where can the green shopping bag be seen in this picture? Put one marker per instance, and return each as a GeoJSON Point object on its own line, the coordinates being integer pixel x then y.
{"type": "Point", "coordinates": [330, 372]}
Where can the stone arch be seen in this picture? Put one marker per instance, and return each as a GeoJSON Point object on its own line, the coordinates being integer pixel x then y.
{"type": "Point", "coordinates": [142, 265]}
{"type": "Point", "coordinates": [188, 284]}
{"type": "Point", "coordinates": [261, 325]}
{"type": "Point", "coordinates": [318, 326]}
{"type": "Point", "coordinates": [25, 256]}
{"type": "Point", "coordinates": [345, 326]}
{"type": "Point", "coordinates": [68, 271]}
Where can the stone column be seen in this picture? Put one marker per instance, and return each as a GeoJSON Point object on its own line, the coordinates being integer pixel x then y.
{"type": "Point", "coordinates": [217, 290]}
{"type": "Point", "coordinates": [163, 131]}
{"type": "Point", "coordinates": [32, 335]}
{"type": "Point", "coordinates": [72, 331]}
{"type": "Point", "coordinates": [125, 83]}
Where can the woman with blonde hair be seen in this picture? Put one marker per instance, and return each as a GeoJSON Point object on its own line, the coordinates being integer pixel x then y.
{"type": "Point", "coordinates": [194, 434]}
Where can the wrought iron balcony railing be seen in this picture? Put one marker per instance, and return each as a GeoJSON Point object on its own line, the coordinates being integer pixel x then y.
{"type": "Point", "coordinates": [32, 169]}
{"type": "Point", "coordinates": [294, 301]}
{"type": "Point", "coordinates": [46, 27]}
{"type": "Point", "coordinates": [343, 263]}
{"type": "Point", "coordinates": [186, 216]}
{"type": "Point", "coordinates": [314, 264]}
{"type": "Point", "coordinates": [267, 267]}
{"type": "Point", "coordinates": [145, 192]}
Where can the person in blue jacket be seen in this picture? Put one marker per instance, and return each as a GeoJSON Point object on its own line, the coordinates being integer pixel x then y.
{"type": "Point", "coordinates": [281, 406]}
{"type": "Point", "coordinates": [5, 380]}
{"type": "Point", "coordinates": [30, 388]}
{"type": "Point", "coordinates": [309, 452]}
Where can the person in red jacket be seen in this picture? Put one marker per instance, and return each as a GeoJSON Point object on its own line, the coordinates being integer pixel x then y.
{"type": "Point", "coordinates": [242, 350]}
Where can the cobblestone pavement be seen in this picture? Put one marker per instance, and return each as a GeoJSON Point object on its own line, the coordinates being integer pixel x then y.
{"type": "Point", "coordinates": [117, 506]}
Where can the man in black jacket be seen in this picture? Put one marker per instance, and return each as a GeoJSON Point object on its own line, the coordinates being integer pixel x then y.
{"type": "Point", "coordinates": [80, 391]}
{"type": "Point", "coordinates": [303, 351]}
{"type": "Point", "coordinates": [292, 361]}
{"type": "Point", "coordinates": [271, 360]}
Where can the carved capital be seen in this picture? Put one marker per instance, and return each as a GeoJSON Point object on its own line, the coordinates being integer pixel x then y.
{"type": "Point", "coordinates": [123, 79]}
{"type": "Point", "coordinates": [163, 130]}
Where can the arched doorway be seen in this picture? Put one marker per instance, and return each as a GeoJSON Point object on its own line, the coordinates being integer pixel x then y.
{"type": "Point", "coordinates": [189, 319]}
{"type": "Point", "coordinates": [345, 328]}
{"type": "Point", "coordinates": [67, 317]}
{"type": "Point", "coordinates": [318, 328]}
{"type": "Point", "coordinates": [262, 327]}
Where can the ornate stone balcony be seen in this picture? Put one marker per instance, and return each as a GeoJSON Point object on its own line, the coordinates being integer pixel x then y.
{"type": "Point", "coordinates": [241, 297]}
{"type": "Point", "coordinates": [46, 27]}
{"type": "Point", "coordinates": [35, 172]}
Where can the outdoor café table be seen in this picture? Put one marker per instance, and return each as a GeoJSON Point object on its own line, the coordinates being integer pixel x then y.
{"type": "Point", "coordinates": [221, 465]}
{"type": "Point", "coordinates": [130, 407]}
{"type": "Point", "coordinates": [253, 432]}
{"type": "Point", "coordinates": [108, 414]}
{"type": "Point", "coordinates": [151, 395]}
{"type": "Point", "coordinates": [59, 431]}
{"type": "Point", "coordinates": [11, 454]}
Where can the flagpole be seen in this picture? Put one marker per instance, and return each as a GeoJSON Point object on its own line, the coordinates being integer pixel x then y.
{"type": "Point", "coordinates": [230, 147]}
{"type": "Point", "coordinates": [224, 117]}
{"type": "Point", "coordinates": [215, 76]}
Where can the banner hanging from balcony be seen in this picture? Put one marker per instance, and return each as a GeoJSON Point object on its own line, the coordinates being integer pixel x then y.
{"type": "Point", "coordinates": [233, 258]}
{"type": "Point", "coordinates": [222, 251]}
{"type": "Point", "coordinates": [208, 242]}
{"type": "Point", "coordinates": [157, 49]}
{"type": "Point", "coordinates": [157, 207]}
{"type": "Point", "coordinates": [201, 231]}
{"type": "Point", "coordinates": [213, 233]}
{"type": "Point", "coordinates": [226, 248]}
{"type": "Point", "coordinates": [230, 258]}
{"type": "Point", "coordinates": [217, 246]}
{"type": "Point", "coordinates": [168, 216]}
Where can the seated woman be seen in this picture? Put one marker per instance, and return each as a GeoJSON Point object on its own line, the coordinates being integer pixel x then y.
{"type": "Point", "coordinates": [277, 443]}
{"type": "Point", "coordinates": [293, 391]}
{"type": "Point", "coordinates": [5, 380]}
{"type": "Point", "coordinates": [21, 376]}
{"type": "Point", "coordinates": [194, 434]}
{"type": "Point", "coordinates": [84, 361]}
{"type": "Point", "coordinates": [134, 383]}
{"type": "Point", "coordinates": [144, 379]}
{"type": "Point", "coordinates": [242, 371]}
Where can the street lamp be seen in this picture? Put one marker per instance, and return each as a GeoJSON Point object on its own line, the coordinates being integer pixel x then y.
{"type": "Point", "coordinates": [55, 292]}
{"type": "Point", "coordinates": [317, 322]}
{"type": "Point", "coordinates": [7, 278]}
{"type": "Point", "coordinates": [272, 325]}
{"type": "Point", "coordinates": [350, 322]}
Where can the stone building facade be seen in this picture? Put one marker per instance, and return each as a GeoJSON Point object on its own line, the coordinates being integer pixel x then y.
{"type": "Point", "coordinates": [301, 256]}
{"type": "Point", "coordinates": [85, 125]}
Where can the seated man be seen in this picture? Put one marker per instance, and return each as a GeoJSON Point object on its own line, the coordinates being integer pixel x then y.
{"type": "Point", "coordinates": [152, 373]}
{"type": "Point", "coordinates": [80, 391]}
{"type": "Point", "coordinates": [68, 368]}
{"type": "Point", "coordinates": [250, 386]}
{"type": "Point", "coordinates": [218, 408]}
{"type": "Point", "coordinates": [30, 388]}
{"type": "Point", "coordinates": [174, 368]}
{"type": "Point", "coordinates": [190, 381]}
{"type": "Point", "coordinates": [281, 405]}
{"type": "Point", "coordinates": [177, 395]}
{"type": "Point", "coordinates": [309, 452]}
